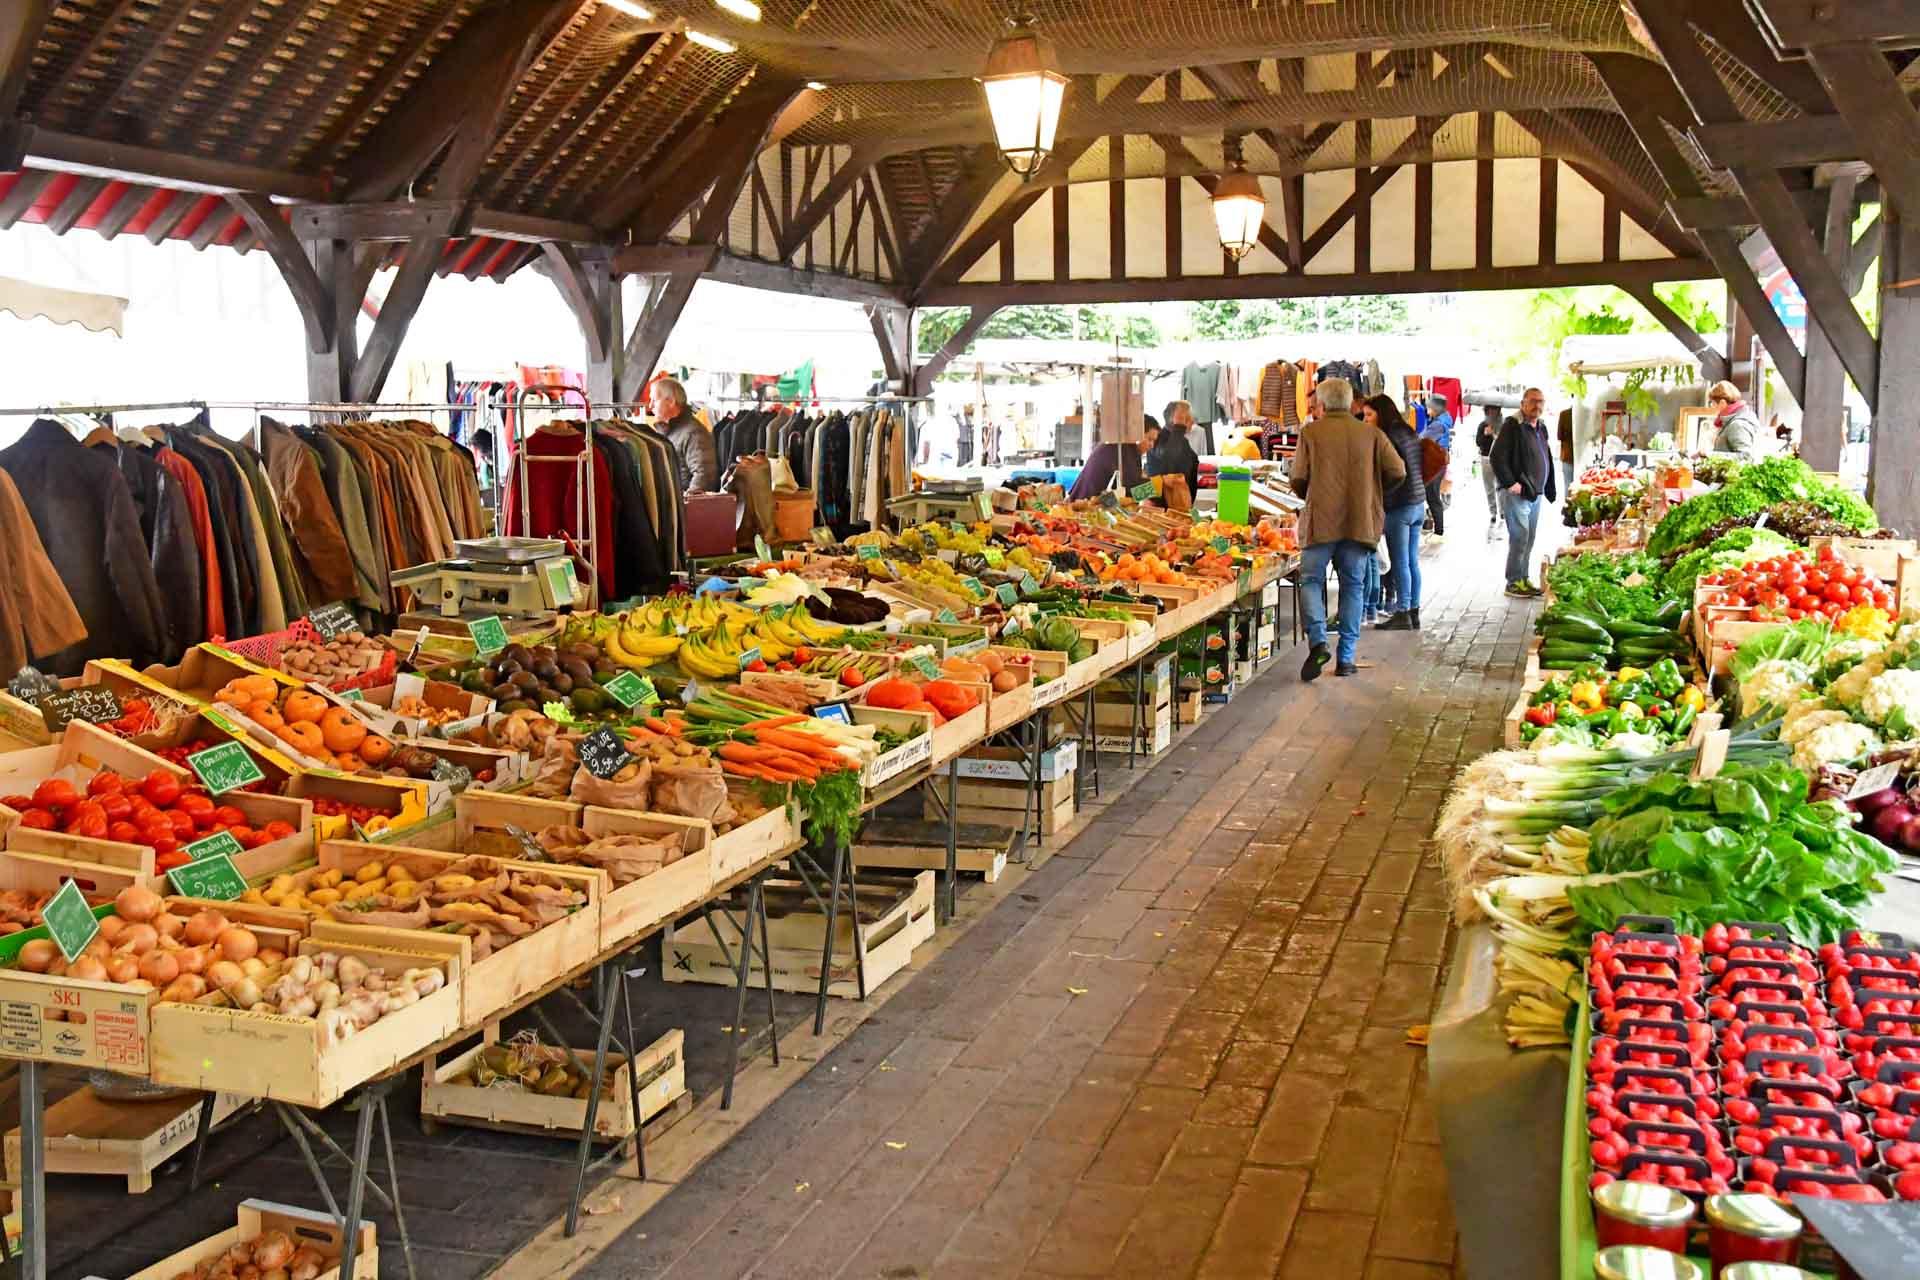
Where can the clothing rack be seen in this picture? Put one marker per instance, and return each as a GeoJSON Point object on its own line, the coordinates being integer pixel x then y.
{"type": "Point", "coordinates": [59, 410]}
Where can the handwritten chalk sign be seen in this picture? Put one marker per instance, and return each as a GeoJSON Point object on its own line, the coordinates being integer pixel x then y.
{"type": "Point", "coordinates": [603, 754]}
{"type": "Point", "coordinates": [92, 703]}
{"type": "Point", "coordinates": [331, 620]}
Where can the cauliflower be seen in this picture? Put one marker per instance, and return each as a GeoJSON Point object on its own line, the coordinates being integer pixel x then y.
{"type": "Point", "coordinates": [1774, 683]}
{"type": "Point", "coordinates": [1834, 744]}
{"type": "Point", "coordinates": [1906, 636]}
{"type": "Point", "coordinates": [1851, 687]}
{"type": "Point", "coordinates": [1891, 691]}
{"type": "Point", "coordinates": [1852, 651]}
{"type": "Point", "coordinates": [1635, 745]}
{"type": "Point", "coordinates": [1805, 723]}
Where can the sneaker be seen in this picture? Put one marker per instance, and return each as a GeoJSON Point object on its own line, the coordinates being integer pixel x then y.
{"type": "Point", "coordinates": [1346, 669]}
{"type": "Point", "coordinates": [1401, 622]}
{"type": "Point", "coordinates": [1523, 588]}
{"type": "Point", "coordinates": [1517, 589]}
{"type": "Point", "coordinates": [1316, 661]}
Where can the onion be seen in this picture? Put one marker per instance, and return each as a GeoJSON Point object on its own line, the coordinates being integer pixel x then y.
{"type": "Point", "coordinates": [272, 1250]}
{"type": "Point", "coordinates": [122, 969]}
{"type": "Point", "coordinates": [1910, 833]}
{"type": "Point", "coordinates": [139, 939]}
{"type": "Point", "coordinates": [88, 968]}
{"type": "Point", "coordinates": [191, 959]}
{"type": "Point", "coordinates": [204, 928]}
{"type": "Point", "coordinates": [137, 903]}
{"type": "Point", "coordinates": [270, 956]}
{"type": "Point", "coordinates": [1886, 823]}
{"type": "Point", "coordinates": [1876, 801]}
{"type": "Point", "coordinates": [238, 945]}
{"type": "Point", "coordinates": [169, 924]}
{"type": "Point", "coordinates": [38, 956]}
{"type": "Point", "coordinates": [159, 968]}
{"type": "Point", "coordinates": [111, 927]}
{"type": "Point", "coordinates": [224, 973]}
{"type": "Point", "coordinates": [183, 989]}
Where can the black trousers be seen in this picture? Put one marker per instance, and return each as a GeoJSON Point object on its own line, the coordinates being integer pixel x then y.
{"type": "Point", "coordinates": [1435, 507]}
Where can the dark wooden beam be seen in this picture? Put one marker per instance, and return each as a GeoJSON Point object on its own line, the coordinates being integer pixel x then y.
{"type": "Point", "coordinates": [343, 284]}
{"type": "Point", "coordinates": [1734, 29]}
{"type": "Point", "coordinates": [1288, 285]}
{"type": "Point", "coordinates": [1602, 168]}
{"type": "Point", "coordinates": [1882, 117]}
{"type": "Point", "coordinates": [1293, 205]}
{"type": "Point", "coordinates": [1802, 140]}
{"type": "Point", "coordinates": [1733, 213]}
{"type": "Point", "coordinates": [461, 95]}
{"type": "Point", "coordinates": [383, 82]}
{"type": "Point", "coordinates": [530, 228]}
{"type": "Point", "coordinates": [1233, 81]}
{"type": "Point", "coordinates": [310, 294]}
{"type": "Point", "coordinates": [979, 177]}
{"type": "Point", "coordinates": [398, 220]}
{"type": "Point", "coordinates": [21, 196]}
{"type": "Point", "coordinates": [1713, 365]}
{"type": "Point", "coordinates": [882, 232]}
{"type": "Point", "coordinates": [755, 274]}
{"type": "Point", "coordinates": [20, 28]}
{"type": "Point", "coordinates": [570, 275]}
{"type": "Point", "coordinates": [218, 28]}
{"type": "Point", "coordinates": [65, 214]}
{"type": "Point", "coordinates": [1866, 251]}
{"type": "Point", "coordinates": [1822, 424]}
{"type": "Point", "coordinates": [1893, 483]}
{"type": "Point", "coordinates": [1647, 97]}
{"type": "Point", "coordinates": [803, 224]}
{"type": "Point", "coordinates": [1549, 250]}
{"type": "Point", "coordinates": [403, 299]}
{"type": "Point", "coordinates": [1799, 248]}
{"type": "Point", "coordinates": [893, 331]}
{"type": "Point", "coordinates": [1815, 24]}
{"type": "Point", "coordinates": [1364, 187]}
{"type": "Point", "coordinates": [665, 259]}
{"type": "Point", "coordinates": [94, 158]}
{"type": "Point", "coordinates": [923, 377]}
{"type": "Point", "coordinates": [1001, 221]}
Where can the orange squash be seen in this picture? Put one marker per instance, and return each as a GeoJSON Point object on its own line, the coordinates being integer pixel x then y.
{"type": "Point", "coordinates": [305, 738]}
{"type": "Point", "coordinates": [342, 730]}
{"type": "Point", "coordinates": [302, 707]}
{"type": "Point", "coordinates": [256, 686]}
{"type": "Point", "coordinates": [266, 715]}
{"type": "Point", "coordinates": [374, 748]}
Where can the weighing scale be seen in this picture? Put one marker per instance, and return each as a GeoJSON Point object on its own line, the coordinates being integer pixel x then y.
{"type": "Point", "coordinates": [525, 579]}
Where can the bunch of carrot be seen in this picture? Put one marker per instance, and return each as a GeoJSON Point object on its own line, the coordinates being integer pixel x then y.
{"type": "Point", "coordinates": [765, 749]}
{"type": "Point", "coordinates": [655, 725]}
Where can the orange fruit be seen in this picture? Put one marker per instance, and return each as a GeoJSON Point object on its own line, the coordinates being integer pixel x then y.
{"type": "Point", "coordinates": [303, 707]}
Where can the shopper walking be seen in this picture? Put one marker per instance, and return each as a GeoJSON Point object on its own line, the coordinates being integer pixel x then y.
{"type": "Point", "coordinates": [1483, 438]}
{"type": "Point", "coordinates": [1406, 505]}
{"type": "Point", "coordinates": [1172, 455]}
{"type": "Point", "coordinates": [1524, 467]}
{"type": "Point", "coordinates": [1568, 453]}
{"type": "Point", "coordinates": [1343, 469]}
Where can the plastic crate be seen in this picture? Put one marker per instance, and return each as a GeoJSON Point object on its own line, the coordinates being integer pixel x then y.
{"type": "Point", "coordinates": [265, 650]}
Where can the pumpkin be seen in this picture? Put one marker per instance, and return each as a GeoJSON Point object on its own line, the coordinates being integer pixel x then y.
{"type": "Point", "coordinates": [342, 730]}
{"type": "Point", "coordinates": [305, 738]}
{"type": "Point", "coordinates": [263, 713]}
{"type": "Point", "coordinates": [304, 707]}
{"type": "Point", "coordinates": [256, 686]}
{"type": "Point", "coordinates": [374, 748]}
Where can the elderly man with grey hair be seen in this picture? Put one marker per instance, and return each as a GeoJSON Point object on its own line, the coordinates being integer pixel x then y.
{"type": "Point", "coordinates": [1343, 468]}
{"type": "Point", "coordinates": [696, 462]}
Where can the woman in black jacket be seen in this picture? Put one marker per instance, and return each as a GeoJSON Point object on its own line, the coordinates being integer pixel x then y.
{"type": "Point", "coordinates": [1406, 505]}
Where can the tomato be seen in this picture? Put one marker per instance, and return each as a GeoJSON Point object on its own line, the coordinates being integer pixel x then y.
{"type": "Point", "coordinates": [36, 820]}
{"type": "Point", "coordinates": [163, 846]}
{"type": "Point", "coordinates": [87, 819]}
{"type": "Point", "coordinates": [249, 838]}
{"type": "Point", "coordinates": [105, 782]}
{"type": "Point", "coordinates": [182, 823]}
{"type": "Point", "coordinates": [56, 794]}
{"type": "Point", "coordinates": [1838, 593]}
{"type": "Point", "coordinates": [1882, 598]}
{"type": "Point", "coordinates": [1795, 615]}
{"type": "Point", "coordinates": [118, 808]}
{"type": "Point", "coordinates": [230, 816]}
{"type": "Point", "coordinates": [195, 803]}
{"type": "Point", "coordinates": [160, 788]}
{"type": "Point", "coordinates": [124, 832]}
{"type": "Point", "coordinates": [278, 830]}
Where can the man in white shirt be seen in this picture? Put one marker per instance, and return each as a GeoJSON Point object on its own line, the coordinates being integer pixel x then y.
{"type": "Point", "coordinates": [939, 442]}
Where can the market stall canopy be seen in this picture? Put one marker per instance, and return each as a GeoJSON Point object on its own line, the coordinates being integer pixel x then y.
{"type": "Point", "coordinates": [1605, 353]}
{"type": "Point", "coordinates": [95, 311]}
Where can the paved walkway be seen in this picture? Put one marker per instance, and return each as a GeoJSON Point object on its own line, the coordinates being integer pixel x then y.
{"type": "Point", "coordinates": [1181, 1049]}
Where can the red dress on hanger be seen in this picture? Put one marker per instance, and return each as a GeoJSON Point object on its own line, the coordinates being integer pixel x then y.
{"type": "Point", "coordinates": [553, 498]}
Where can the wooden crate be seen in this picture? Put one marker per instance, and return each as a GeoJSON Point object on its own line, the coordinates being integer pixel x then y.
{"type": "Point", "coordinates": [204, 669]}
{"type": "Point", "coordinates": [88, 1134]}
{"type": "Point", "coordinates": [661, 1068]}
{"type": "Point", "coordinates": [631, 911]}
{"type": "Point", "coordinates": [481, 820]}
{"type": "Point", "coordinates": [518, 969]}
{"type": "Point", "coordinates": [303, 1226]}
{"type": "Point", "coordinates": [887, 941]}
{"type": "Point", "coordinates": [1517, 717]}
{"type": "Point", "coordinates": [267, 1055]}
{"type": "Point", "coordinates": [405, 800]}
{"type": "Point", "coordinates": [76, 1022]}
{"type": "Point", "coordinates": [915, 753]}
{"type": "Point", "coordinates": [1878, 556]}
{"type": "Point", "coordinates": [750, 845]}
{"type": "Point", "coordinates": [82, 751]}
{"type": "Point", "coordinates": [24, 720]}
{"type": "Point", "coordinates": [1002, 803]}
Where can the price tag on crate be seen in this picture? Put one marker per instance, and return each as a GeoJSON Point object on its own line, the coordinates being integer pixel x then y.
{"type": "Point", "coordinates": [1878, 778]}
{"type": "Point", "coordinates": [70, 921]}
{"type": "Point", "coordinates": [959, 526]}
{"type": "Point", "coordinates": [93, 703]}
{"type": "Point", "coordinates": [489, 636]}
{"type": "Point", "coordinates": [995, 557]}
{"type": "Point", "coordinates": [331, 620]}
{"type": "Point", "coordinates": [947, 615]}
{"type": "Point", "coordinates": [983, 503]}
{"type": "Point", "coordinates": [630, 689]}
{"type": "Point", "coordinates": [604, 754]}
{"type": "Point", "coordinates": [1246, 580]}
{"type": "Point", "coordinates": [352, 695]}
{"type": "Point", "coordinates": [975, 586]}
{"type": "Point", "coordinates": [1222, 545]}
{"type": "Point", "coordinates": [867, 551]}
{"type": "Point", "coordinates": [926, 666]}
{"type": "Point", "coordinates": [457, 776]}
{"type": "Point", "coordinates": [218, 842]}
{"type": "Point", "coordinates": [1141, 492]}
{"type": "Point", "coordinates": [1008, 593]}
{"type": "Point", "coordinates": [748, 657]}
{"type": "Point", "coordinates": [224, 768]}
{"type": "Point", "coordinates": [529, 844]}
{"type": "Point", "coordinates": [833, 713]}
{"type": "Point", "coordinates": [1028, 584]}
{"type": "Point", "coordinates": [1713, 755]}
{"type": "Point", "coordinates": [214, 878]}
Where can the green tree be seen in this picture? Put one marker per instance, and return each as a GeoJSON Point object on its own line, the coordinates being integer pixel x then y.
{"type": "Point", "coordinates": [1226, 320]}
{"type": "Point", "coordinates": [1129, 326]}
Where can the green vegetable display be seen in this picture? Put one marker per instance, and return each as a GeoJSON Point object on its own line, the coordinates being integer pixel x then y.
{"type": "Point", "coordinates": [1757, 487]}
{"type": "Point", "coordinates": [1728, 551]}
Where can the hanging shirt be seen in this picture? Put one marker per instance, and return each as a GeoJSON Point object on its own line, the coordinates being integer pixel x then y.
{"type": "Point", "coordinates": [1200, 388]}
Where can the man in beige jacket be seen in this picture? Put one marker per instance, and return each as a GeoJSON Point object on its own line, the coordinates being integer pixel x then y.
{"type": "Point", "coordinates": [1343, 469]}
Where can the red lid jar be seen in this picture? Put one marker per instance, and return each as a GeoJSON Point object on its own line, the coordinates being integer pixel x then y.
{"type": "Point", "coordinates": [1642, 1213]}
{"type": "Point", "coordinates": [1751, 1228]}
{"type": "Point", "coordinates": [1637, 1262]}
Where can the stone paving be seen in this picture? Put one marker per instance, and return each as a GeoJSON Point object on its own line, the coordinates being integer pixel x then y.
{"type": "Point", "coordinates": [1181, 1049]}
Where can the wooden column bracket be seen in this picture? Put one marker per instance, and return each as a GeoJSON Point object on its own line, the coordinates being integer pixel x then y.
{"type": "Point", "coordinates": [924, 376]}
{"type": "Point", "coordinates": [893, 330]}
{"type": "Point", "coordinates": [313, 296]}
{"type": "Point", "coordinates": [1713, 365]}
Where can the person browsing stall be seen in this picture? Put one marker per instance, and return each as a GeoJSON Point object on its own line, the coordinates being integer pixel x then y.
{"type": "Point", "coordinates": [696, 462]}
{"type": "Point", "coordinates": [1171, 454]}
{"type": "Point", "coordinates": [1739, 426]}
{"type": "Point", "coordinates": [1524, 467]}
{"type": "Point", "coordinates": [1343, 469]}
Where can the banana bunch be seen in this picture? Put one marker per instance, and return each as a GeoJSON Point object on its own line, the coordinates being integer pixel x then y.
{"type": "Point", "coordinates": [875, 538]}
{"type": "Point", "coordinates": [636, 645]}
{"type": "Point", "coordinates": [777, 634]}
{"type": "Point", "coordinates": [699, 659]}
{"type": "Point", "coordinates": [587, 628]}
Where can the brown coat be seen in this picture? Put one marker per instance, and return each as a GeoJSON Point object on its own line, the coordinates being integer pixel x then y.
{"type": "Point", "coordinates": [318, 540]}
{"type": "Point", "coordinates": [1343, 468]}
{"type": "Point", "coordinates": [37, 617]}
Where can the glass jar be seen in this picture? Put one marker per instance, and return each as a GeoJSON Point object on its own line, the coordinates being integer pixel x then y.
{"type": "Point", "coordinates": [1637, 1262]}
{"type": "Point", "coordinates": [1641, 1213]}
{"type": "Point", "coordinates": [1764, 1271]}
{"type": "Point", "coordinates": [1752, 1228]}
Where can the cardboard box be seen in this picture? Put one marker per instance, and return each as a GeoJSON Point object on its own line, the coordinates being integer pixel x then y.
{"type": "Point", "coordinates": [203, 669]}
{"type": "Point", "coordinates": [1158, 738]}
{"type": "Point", "coordinates": [375, 706]}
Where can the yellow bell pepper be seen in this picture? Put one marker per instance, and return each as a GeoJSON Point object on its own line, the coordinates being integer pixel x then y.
{"type": "Point", "coordinates": [1587, 697]}
{"type": "Point", "coordinates": [1629, 674]}
{"type": "Point", "coordinates": [1692, 698]}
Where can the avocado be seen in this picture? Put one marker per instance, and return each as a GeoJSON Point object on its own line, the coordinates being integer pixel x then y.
{"type": "Point", "coordinates": [525, 680]}
{"type": "Point", "coordinates": [562, 683]}
{"type": "Point", "coordinates": [589, 700]}
{"type": "Point", "coordinates": [516, 654]}
{"type": "Point", "coordinates": [546, 668]}
{"type": "Point", "coordinates": [504, 691]}
{"type": "Point", "coordinates": [516, 704]}
{"type": "Point", "coordinates": [578, 671]}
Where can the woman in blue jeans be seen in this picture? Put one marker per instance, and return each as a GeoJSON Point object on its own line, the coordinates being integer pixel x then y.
{"type": "Point", "coordinates": [1406, 505]}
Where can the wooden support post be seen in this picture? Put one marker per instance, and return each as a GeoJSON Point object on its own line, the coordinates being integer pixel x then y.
{"type": "Point", "coordinates": [652, 329]}
{"type": "Point", "coordinates": [1713, 365]}
{"type": "Point", "coordinates": [591, 290]}
{"type": "Point", "coordinates": [937, 364]}
{"type": "Point", "coordinates": [1893, 479]}
{"type": "Point", "coordinates": [330, 369]}
{"type": "Point", "coordinates": [311, 294]}
{"type": "Point", "coordinates": [893, 330]}
{"type": "Point", "coordinates": [1823, 426]}
{"type": "Point", "coordinates": [1885, 125]}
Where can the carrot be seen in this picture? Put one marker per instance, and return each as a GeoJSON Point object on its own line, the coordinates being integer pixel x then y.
{"type": "Point", "coordinates": [745, 754]}
{"type": "Point", "coordinates": [774, 722]}
{"type": "Point", "coordinates": [654, 724]}
{"type": "Point", "coordinates": [748, 771]}
{"type": "Point", "coordinates": [800, 743]}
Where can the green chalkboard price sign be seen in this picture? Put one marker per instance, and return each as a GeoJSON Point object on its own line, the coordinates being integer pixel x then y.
{"type": "Point", "coordinates": [1008, 593]}
{"type": "Point", "coordinates": [70, 921]}
{"type": "Point", "coordinates": [214, 878]}
{"type": "Point", "coordinates": [1222, 545]}
{"type": "Point", "coordinates": [224, 768]}
{"type": "Point", "coordinates": [1141, 492]}
{"type": "Point", "coordinates": [926, 666]}
{"type": "Point", "coordinates": [947, 615]}
{"type": "Point", "coordinates": [1028, 584]}
{"type": "Point", "coordinates": [217, 843]}
{"type": "Point", "coordinates": [489, 635]}
{"type": "Point", "coordinates": [630, 689]}
{"type": "Point", "coordinates": [868, 552]}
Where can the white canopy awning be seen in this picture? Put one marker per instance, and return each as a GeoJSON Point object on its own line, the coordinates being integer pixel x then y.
{"type": "Point", "coordinates": [1601, 354]}
{"type": "Point", "coordinates": [95, 311]}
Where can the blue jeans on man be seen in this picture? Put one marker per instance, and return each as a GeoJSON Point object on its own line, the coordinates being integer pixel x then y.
{"type": "Point", "coordinates": [1350, 560]}
{"type": "Point", "coordinates": [1523, 522]}
{"type": "Point", "coordinates": [1403, 552]}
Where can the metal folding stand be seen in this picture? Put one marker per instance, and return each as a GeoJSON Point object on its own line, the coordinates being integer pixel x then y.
{"type": "Point", "coordinates": [372, 1103]}
{"type": "Point", "coordinates": [946, 898]}
{"type": "Point", "coordinates": [755, 913]}
{"type": "Point", "coordinates": [32, 1174]}
{"type": "Point", "coordinates": [811, 874]}
{"type": "Point", "coordinates": [1089, 747]}
{"type": "Point", "coordinates": [609, 979]}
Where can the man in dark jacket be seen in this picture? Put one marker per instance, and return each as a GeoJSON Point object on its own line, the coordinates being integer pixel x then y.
{"type": "Point", "coordinates": [1524, 466]}
{"type": "Point", "coordinates": [695, 458]}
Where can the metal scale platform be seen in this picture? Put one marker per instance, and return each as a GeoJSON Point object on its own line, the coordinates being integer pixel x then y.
{"type": "Point", "coordinates": [521, 581]}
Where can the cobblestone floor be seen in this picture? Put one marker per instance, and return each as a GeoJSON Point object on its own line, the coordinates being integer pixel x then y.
{"type": "Point", "coordinates": [1181, 1049]}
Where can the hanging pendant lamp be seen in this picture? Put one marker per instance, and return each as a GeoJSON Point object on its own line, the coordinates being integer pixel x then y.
{"type": "Point", "coordinates": [1025, 90]}
{"type": "Point", "coordinates": [1239, 206]}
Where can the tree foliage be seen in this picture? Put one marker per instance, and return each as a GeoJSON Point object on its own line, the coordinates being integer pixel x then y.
{"type": "Point", "coordinates": [1096, 323]}
{"type": "Point", "coordinates": [1263, 318]}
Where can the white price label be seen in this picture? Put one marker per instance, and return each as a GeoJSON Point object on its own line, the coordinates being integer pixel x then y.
{"type": "Point", "coordinates": [1878, 778]}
